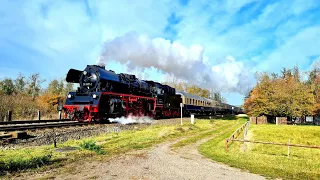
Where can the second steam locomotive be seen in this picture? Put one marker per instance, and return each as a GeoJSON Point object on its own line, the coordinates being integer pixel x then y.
{"type": "Point", "coordinates": [103, 94]}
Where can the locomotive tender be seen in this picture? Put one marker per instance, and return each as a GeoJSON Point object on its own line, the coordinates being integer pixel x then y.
{"type": "Point", "coordinates": [103, 94]}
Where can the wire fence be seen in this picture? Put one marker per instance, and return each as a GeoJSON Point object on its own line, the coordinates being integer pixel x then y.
{"type": "Point", "coordinates": [244, 128]}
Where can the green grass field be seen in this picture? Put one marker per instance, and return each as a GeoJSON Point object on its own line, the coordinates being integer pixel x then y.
{"type": "Point", "coordinates": [271, 160]}
{"type": "Point", "coordinates": [220, 127]}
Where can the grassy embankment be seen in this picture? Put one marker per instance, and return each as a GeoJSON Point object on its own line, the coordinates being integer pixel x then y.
{"type": "Point", "coordinates": [100, 147]}
{"type": "Point", "coordinates": [227, 125]}
{"type": "Point", "coordinates": [271, 160]}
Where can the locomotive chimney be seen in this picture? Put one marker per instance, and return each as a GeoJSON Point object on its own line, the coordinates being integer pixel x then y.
{"type": "Point", "coordinates": [102, 65]}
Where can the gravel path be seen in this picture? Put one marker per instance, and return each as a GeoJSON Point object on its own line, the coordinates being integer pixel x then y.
{"type": "Point", "coordinates": [159, 162]}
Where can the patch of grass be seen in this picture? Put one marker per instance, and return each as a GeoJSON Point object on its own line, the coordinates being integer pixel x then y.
{"type": "Point", "coordinates": [219, 126]}
{"type": "Point", "coordinates": [271, 160]}
{"type": "Point", "coordinates": [91, 146]}
{"type": "Point", "coordinates": [13, 160]}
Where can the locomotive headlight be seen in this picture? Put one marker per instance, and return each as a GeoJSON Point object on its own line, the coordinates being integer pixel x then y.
{"type": "Point", "coordinates": [94, 96]}
{"type": "Point", "coordinates": [85, 72]}
{"type": "Point", "coordinates": [69, 96]}
{"type": "Point", "coordinates": [93, 76]}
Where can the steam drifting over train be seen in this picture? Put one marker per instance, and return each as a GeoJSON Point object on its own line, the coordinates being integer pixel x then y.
{"type": "Point", "coordinates": [103, 94]}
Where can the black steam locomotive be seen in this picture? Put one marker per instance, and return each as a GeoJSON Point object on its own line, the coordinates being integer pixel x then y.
{"type": "Point", "coordinates": [103, 94]}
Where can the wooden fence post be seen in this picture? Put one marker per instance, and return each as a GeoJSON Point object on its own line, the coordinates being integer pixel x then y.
{"type": "Point", "coordinates": [54, 138]}
{"type": "Point", "coordinates": [39, 115]}
{"type": "Point", "coordinates": [9, 115]}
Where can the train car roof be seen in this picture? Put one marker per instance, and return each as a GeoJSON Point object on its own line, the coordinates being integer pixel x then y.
{"type": "Point", "coordinates": [187, 95]}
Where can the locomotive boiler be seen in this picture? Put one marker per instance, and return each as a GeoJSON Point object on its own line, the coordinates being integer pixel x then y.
{"type": "Point", "coordinates": [95, 78]}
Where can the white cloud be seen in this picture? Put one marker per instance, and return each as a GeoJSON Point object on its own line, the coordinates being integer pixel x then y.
{"type": "Point", "coordinates": [186, 63]}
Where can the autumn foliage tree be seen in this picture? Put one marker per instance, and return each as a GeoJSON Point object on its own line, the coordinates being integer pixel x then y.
{"type": "Point", "coordinates": [281, 95]}
{"type": "Point", "coordinates": [24, 96]}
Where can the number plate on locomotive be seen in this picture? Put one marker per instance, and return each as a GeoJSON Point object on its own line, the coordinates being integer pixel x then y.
{"type": "Point", "coordinates": [87, 84]}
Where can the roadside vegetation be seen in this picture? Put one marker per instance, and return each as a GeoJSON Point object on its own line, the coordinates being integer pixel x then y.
{"type": "Point", "coordinates": [101, 147]}
{"type": "Point", "coordinates": [270, 160]}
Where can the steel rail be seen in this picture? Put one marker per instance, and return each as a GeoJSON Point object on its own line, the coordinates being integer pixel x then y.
{"type": "Point", "coordinates": [32, 121]}
{"type": "Point", "coordinates": [42, 125]}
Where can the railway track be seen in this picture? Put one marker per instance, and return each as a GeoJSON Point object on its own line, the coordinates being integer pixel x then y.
{"type": "Point", "coordinates": [39, 125]}
{"type": "Point", "coordinates": [33, 121]}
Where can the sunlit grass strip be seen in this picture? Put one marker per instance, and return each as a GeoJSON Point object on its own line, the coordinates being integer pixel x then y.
{"type": "Point", "coordinates": [12, 160]}
{"type": "Point", "coordinates": [270, 160]}
{"type": "Point", "coordinates": [194, 139]}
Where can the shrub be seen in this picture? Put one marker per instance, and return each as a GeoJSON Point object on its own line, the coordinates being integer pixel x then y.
{"type": "Point", "coordinates": [91, 146]}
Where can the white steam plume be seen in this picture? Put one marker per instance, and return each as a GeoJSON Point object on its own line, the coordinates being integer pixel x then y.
{"type": "Point", "coordinates": [186, 63]}
{"type": "Point", "coordinates": [132, 120]}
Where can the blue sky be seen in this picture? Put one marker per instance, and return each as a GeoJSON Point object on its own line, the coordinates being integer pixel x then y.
{"type": "Point", "coordinates": [50, 37]}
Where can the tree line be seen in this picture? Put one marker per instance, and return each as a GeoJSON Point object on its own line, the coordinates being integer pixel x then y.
{"type": "Point", "coordinates": [24, 96]}
{"type": "Point", "coordinates": [290, 93]}
{"type": "Point", "coordinates": [195, 90]}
